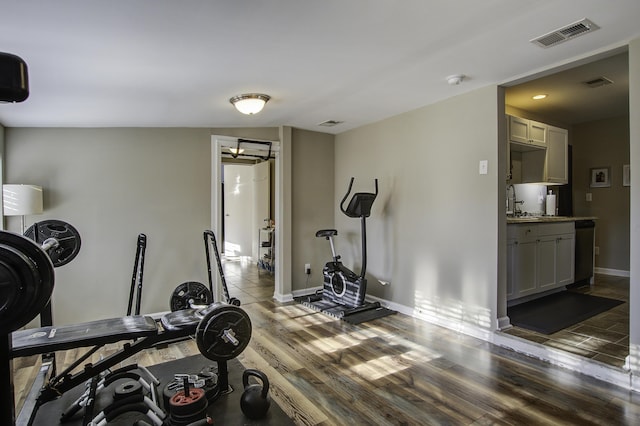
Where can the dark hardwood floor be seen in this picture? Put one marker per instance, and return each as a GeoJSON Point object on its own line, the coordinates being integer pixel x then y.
{"type": "Point", "coordinates": [399, 371]}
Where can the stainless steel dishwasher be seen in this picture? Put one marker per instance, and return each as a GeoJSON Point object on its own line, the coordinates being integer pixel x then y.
{"type": "Point", "coordinates": [584, 251]}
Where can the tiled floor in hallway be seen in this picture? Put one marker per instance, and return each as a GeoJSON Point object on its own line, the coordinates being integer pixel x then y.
{"type": "Point", "coordinates": [246, 281]}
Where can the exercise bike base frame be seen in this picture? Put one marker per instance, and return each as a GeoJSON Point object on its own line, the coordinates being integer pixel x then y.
{"type": "Point", "coordinates": [342, 286]}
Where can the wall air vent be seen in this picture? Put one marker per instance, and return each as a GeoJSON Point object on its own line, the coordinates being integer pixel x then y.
{"type": "Point", "coordinates": [597, 82]}
{"type": "Point", "coordinates": [330, 123]}
{"type": "Point", "coordinates": [565, 33]}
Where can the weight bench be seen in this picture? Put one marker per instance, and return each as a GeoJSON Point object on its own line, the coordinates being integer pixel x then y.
{"type": "Point", "coordinates": [222, 332]}
{"type": "Point", "coordinates": [95, 333]}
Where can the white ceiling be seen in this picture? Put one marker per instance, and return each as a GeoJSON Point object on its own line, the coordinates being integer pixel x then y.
{"type": "Point", "coordinates": [167, 63]}
{"type": "Point", "coordinates": [569, 100]}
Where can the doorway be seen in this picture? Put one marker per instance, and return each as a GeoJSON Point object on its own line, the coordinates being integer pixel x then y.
{"type": "Point", "coordinates": [250, 150]}
{"type": "Point", "coordinates": [605, 337]}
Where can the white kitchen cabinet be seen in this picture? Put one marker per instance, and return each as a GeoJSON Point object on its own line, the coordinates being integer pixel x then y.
{"type": "Point", "coordinates": [521, 269]}
{"type": "Point", "coordinates": [527, 133]}
{"type": "Point", "coordinates": [556, 169]}
{"type": "Point", "coordinates": [538, 152]}
{"type": "Point", "coordinates": [546, 262]}
{"type": "Point", "coordinates": [565, 259]}
{"type": "Point", "coordinates": [540, 257]}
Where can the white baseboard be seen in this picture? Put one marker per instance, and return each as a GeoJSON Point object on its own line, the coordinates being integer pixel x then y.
{"type": "Point", "coordinates": [613, 272]}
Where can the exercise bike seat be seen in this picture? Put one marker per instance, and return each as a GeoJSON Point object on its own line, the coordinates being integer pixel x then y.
{"type": "Point", "coordinates": [326, 233]}
{"type": "Point", "coordinates": [50, 339]}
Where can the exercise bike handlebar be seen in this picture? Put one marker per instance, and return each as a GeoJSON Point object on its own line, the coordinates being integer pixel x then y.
{"type": "Point", "coordinates": [356, 207]}
{"type": "Point", "coordinates": [345, 196]}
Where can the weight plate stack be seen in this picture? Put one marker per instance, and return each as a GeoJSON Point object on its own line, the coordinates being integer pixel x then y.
{"type": "Point", "coordinates": [185, 409]}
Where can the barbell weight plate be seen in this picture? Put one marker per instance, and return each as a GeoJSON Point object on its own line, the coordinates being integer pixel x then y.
{"type": "Point", "coordinates": [68, 238]}
{"type": "Point", "coordinates": [127, 389]}
{"type": "Point", "coordinates": [224, 332]}
{"type": "Point", "coordinates": [188, 293]}
{"type": "Point", "coordinates": [26, 281]}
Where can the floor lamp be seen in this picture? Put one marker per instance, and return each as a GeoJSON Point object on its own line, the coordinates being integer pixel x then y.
{"type": "Point", "coordinates": [21, 200]}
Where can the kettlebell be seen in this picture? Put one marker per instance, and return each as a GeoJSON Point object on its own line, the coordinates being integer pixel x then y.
{"type": "Point", "coordinates": [255, 400]}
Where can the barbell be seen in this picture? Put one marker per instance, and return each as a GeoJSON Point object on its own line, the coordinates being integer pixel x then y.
{"type": "Point", "coordinates": [26, 269]}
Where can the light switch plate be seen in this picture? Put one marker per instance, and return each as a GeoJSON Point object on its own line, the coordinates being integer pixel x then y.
{"type": "Point", "coordinates": [589, 197]}
{"type": "Point", "coordinates": [484, 167]}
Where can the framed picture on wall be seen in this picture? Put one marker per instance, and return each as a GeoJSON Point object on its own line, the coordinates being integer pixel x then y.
{"type": "Point", "coordinates": [626, 175]}
{"type": "Point", "coordinates": [600, 177]}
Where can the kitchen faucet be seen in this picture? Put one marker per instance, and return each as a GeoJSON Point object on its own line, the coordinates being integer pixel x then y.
{"type": "Point", "coordinates": [512, 202]}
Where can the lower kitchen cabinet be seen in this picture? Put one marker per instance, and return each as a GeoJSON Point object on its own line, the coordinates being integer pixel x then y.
{"type": "Point", "coordinates": [540, 257]}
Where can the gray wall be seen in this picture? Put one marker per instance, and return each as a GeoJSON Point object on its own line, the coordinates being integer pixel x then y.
{"type": "Point", "coordinates": [433, 231]}
{"type": "Point", "coordinates": [634, 137]}
{"type": "Point", "coordinates": [313, 204]}
{"type": "Point", "coordinates": [112, 184]}
{"type": "Point", "coordinates": [604, 143]}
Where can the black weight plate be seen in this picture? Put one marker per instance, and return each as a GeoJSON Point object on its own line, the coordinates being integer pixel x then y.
{"type": "Point", "coordinates": [68, 238]}
{"type": "Point", "coordinates": [127, 389]}
{"type": "Point", "coordinates": [27, 280]}
{"type": "Point", "coordinates": [187, 293]}
{"type": "Point", "coordinates": [224, 332]}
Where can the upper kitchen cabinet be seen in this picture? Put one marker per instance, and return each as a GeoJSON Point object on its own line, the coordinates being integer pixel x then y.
{"type": "Point", "coordinates": [556, 170]}
{"type": "Point", "coordinates": [542, 158]}
{"type": "Point", "coordinates": [526, 134]}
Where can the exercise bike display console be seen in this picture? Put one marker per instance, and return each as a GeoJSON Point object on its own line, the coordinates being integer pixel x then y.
{"type": "Point", "coordinates": [340, 284]}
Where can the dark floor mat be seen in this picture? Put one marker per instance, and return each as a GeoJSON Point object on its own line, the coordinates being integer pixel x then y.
{"type": "Point", "coordinates": [558, 311]}
{"type": "Point", "coordinates": [224, 411]}
{"type": "Point", "coordinates": [368, 312]}
{"type": "Point", "coordinates": [369, 315]}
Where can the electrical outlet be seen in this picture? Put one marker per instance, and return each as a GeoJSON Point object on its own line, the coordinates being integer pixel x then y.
{"type": "Point", "coordinates": [307, 268]}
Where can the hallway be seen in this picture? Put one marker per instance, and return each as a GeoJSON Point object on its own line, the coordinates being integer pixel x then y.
{"type": "Point", "coordinates": [246, 281]}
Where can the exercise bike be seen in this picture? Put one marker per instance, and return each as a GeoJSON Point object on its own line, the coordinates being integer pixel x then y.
{"type": "Point", "coordinates": [340, 284]}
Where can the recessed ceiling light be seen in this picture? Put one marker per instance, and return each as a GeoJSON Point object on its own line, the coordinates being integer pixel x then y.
{"type": "Point", "coordinates": [536, 97]}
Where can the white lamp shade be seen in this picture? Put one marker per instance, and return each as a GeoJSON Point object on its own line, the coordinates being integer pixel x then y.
{"type": "Point", "coordinates": [21, 200]}
{"type": "Point", "coordinates": [251, 103]}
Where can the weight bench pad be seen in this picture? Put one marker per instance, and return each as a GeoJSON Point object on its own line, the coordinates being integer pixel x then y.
{"type": "Point", "coordinates": [95, 333]}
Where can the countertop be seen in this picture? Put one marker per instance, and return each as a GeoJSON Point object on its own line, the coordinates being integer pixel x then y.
{"type": "Point", "coordinates": [546, 219]}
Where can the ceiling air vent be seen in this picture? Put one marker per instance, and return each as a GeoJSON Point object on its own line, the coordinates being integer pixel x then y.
{"type": "Point", "coordinates": [597, 82]}
{"type": "Point", "coordinates": [330, 123]}
{"type": "Point", "coordinates": [565, 33]}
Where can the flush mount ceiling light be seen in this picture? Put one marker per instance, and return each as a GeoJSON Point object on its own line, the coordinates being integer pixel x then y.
{"type": "Point", "coordinates": [537, 97]}
{"type": "Point", "coordinates": [250, 103]}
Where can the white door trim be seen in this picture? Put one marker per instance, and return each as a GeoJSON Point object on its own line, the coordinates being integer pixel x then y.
{"type": "Point", "coordinates": [282, 233]}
